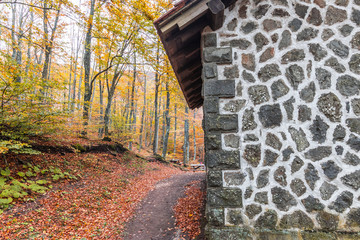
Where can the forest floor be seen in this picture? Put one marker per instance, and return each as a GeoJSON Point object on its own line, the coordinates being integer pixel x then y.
{"type": "Point", "coordinates": [92, 189]}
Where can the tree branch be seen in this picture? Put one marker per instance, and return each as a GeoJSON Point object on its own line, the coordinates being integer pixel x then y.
{"type": "Point", "coordinates": [26, 4]}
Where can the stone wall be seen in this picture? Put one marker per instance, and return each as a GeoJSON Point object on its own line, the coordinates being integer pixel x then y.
{"type": "Point", "coordinates": [282, 120]}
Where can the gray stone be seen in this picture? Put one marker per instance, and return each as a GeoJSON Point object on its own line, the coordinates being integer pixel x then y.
{"type": "Point", "coordinates": [354, 125]}
{"type": "Point", "coordinates": [318, 153]}
{"type": "Point", "coordinates": [248, 61]}
{"type": "Point", "coordinates": [285, 40]}
{"type": "Point", "coordinates": [295, 75]}
{"type": "Point", "coordinates": [287, 153]}
{"type": "Point", "coordinates": [261, 197]}
{"type": "Point", "coordinates": [270, 158]}
{"type": "Point", "coordinates": [282, 199]}
{"type": "Point", "coordinates": [311, 176]}
{"type": "Point", "coordinates": [251, 138]}
{"type": "Point", "coordinates": [217, 160]}
{"type": "Point", "coordinates": [252, 210]}
{"type": "Point", "coordinates": [210, 40]}
{"type": "Point", "coordinates": [342, 202]}
{"type": "Point", "coordinates": [296, 164]}
{"type": "Point", "coordinates": [260, 11]}
{"type": "Point", "coordinates": [330, 105]}
{"type": "Point", "coordinates": [248, 76]}
{"type": "Point", "coordinates": [295, 24]}
{"type": "Point", "coordinates": [289, 108]}
{"type": "Point", "coordinates": [222, 197]}
{"type": "Point", "coordinates": [234, 106]}
{"type": "Point", "coordinates": [249, 27]}
{"type": "Point", "coordinates": [293, 56]}
{"type": "Point", "coordinates": [214, 88]}
{"type": "Point", "coordinates": [234, 217]}
{"type": "Point", "coordinates": [355, 16]}
{"type": "Point", "coordinates": [270, 25]}
{"type": "Point", "coordinates": [222, 123]}
{"type": "Point", "coordinates": [270, 115]}
{"type": "Point", "coordinates": [335, 15]}
{"type": "Point", "coordinates": [309, 68]}
{"type": "Point", "coordinates": [215, 217]}
{"type": "Point", "coordinates": [351, 159]}
{"type": "Point", "coordinates": [319, 129]}
{"type": "Point", "coordinates": [339, 48]}
{"type": "Point", "coordinates": [299, 137]}
{"type": "Point", "coordinates": [327, 34]}
{"type": "Point", "coordinates": [250, 173]}
{"type": "Point", "coordinates": [218, 55]}
{"type": "Point", "coordinates": [211, 105]}
{"type": "Point", "coordinates": [280, 2]}
{"type": "Point", "coordinates": [232, 24]}
{"type": "Point", "coordinates": [354, 63]}
{"type": "Point", "coordinates": [252, 154]}
{"type": "Point", "coordinates": [339, 150]}
{"type": "Point", "coordinates": [248, 193]}
{"type": "Point", "coordinates": [279, 89]}
{"type": "Point", "coordinates": [307, 34]}
{"type": "Point", "coordinates": [308, 93]}
{"type": "Point", "coordinates": [355, 104]}
{"type": "Point", "coordinates": [237, 43]}
{"type": "Point", "coordinates": [324, 78]}
{"type": "Point", "coordinates": [210, 71]}
{"type": "Point", "coordinates": [327, 190]}
{"type": "Point", "coordinates": [213, 141]}
{"type": "Point", "coordinates": [273, 141]}
{"type": "Point", "coordinates": [262, 179]}
{"type": "Point", "coordinates": [339, 133]}
{"type": "Point", "coordinates": [227, 233]}
{"type": "Point", "coordinates": [279, 12]}
{"type": "Point", "coordinates": [352, 180]}
{"type": "Point", "coordinates": [317, 51]}
{"type": "Point", "coordinates": [355, 41]}
{"type": "Point", "coordinates": [348, 85]}
{"type": "Point", "coordinates": [334, 64]}
{"type": "Point", "coordinates": [354, 142]}
{"type": "Point", "coordinates": [258, 94]}
{"type": "Point", "coordinates": [304, 113]}
{"type": "Point", "coordinates": [234, 178]}
{"type": "Point", "coordinates": [248, 122]}
{"type": "Point", "coordinates": [260, 41]}
{"type": "Point", "coordinates": [280, 176]}
{"type": "Point", "coordinates": [298, 187]}
{"type": "Point", "coordinates": [346, 30]}
{"type": "Point", "coordinates": [267, 220]}
{"type": "Point", "coordinates": [327, 221]}
{"type": "Point", "coordinates": [232, 140]}
{"type": "Point", "coordinates": [331, 170]}
{"type": "Point", "coordinates": [343, 3]}
{"type": "Point", "coordinates": [314, 17]}
{"type": "Point", "coordinates": [267, 54]}
{"type": "Point", "coordinates": [298, 219]}
{"type": "Point", "coordinates": [353, 218]}
{"type": "Point", "coordinates": [301, 10]}
{"type": "Point", "coordinates": [231, 72]}
{"type": "Point", "coordinates": [268, 72]}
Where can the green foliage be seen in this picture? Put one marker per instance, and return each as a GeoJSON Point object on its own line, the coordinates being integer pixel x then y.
{"type": "Point", "coordinates": [16, 147]}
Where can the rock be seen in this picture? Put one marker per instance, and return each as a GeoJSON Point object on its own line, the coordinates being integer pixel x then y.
{"type": "Point", "coordinates": [296, 164]}
{"type": "Point", "coordinates": [317, 51]}
{"type": "Point", "coordinates": [334, 64]}
{"type": "Point", "coordinates": [354, 125]}
{"type": "Point", "coordinates": [232, 141]}
{"type": "Point", "coordinates": [278, 12]}
{"type": "Point", "coordinates": [239, 89]}
{"type": "Point", "coordinates": [289, 108]}
{"type": "Point", "coordinates": [295, 25]}
{"type": "Point", "coordinates": [250, 173]}
{"type": "Point", "coordinates": [280, 2]}
{"type": "Point", "coordinates": [327, 190]}
{"type": "Point", "coordinates": [307, 34]}
{"type": "Point", "coordinates": [260, 11]}
{"type": "Point", "coordinates": [248, 61]}
{"type": "Point", "coordinates": [279, 89]}
{"type": "Point", "coordinates": [293, 56]}
{"type": "Point", "coordinates": [352, 180]}
{"type": "Point", "coordinates": [308, 93]}
{"type": "Point", "coordinates": [263, 179]}
{"type": "Point", "coordinates": [243, 11]}
{"type": "Point", "coordinates": [355, 16]}
{"type": "Point", "coordinates": [268, 72]}
{"type": "Point", "coordinates": [234, 106]}
{"type": "Point", "coordinates": [270, 115]}
{"type": "Point", "coordinates": [353, 218]}
{"type": "Point", "coordinates": [348, 85]}
{"type": "Point", "coordinates": [343, 3]}
{"type": "Point", "coordinates": [258, 94]}
{"type": "Point", "coordinates": [331, 170]}
{"type": "Point", "coordinates": [339, 48]}
{"type": "Point", "coordinates": [324, 78]}
{"type": "Point", "coordinates": [320, 3]}
{"type": "Point", "coordinates": [301, 10]}
{"type": "Point", "coordinates": [270, 25]}
{"type": "Point", "coordinates": [314, 17]}
{"type": "Point", "coordinates": [339, 133]}
{"type": "Point", "coordinates": [252, 210]}
{"type": "Point", "coordinates": [267, 220]}
{"type": "Point", "coordinates": [355, 41]}
{"type": "Point", "coordinates": [339, 150]}
{"type": "Point", "coordinates": [218, 55]}
{"type": "Point", "coordinates": [280, 176]}
{"type": "Point", "coordinates": [267, 54]}
{"type": "Point", "coordinates": [285, 40]}
{"type": "Point", "coordinates": [252, 154]}
{"type": "Point", "coordinates": [210, 71]}
{"type": "Point", "coordinates": [248, 76]}
{"type": "Point", "coordinates": [221, 197]}
{"type": "Point", "coordinates": [270, 158]}
{"type": "Point", "coordinates": [319, 129]}
{"type": "Point", "coordinates": [354, 142]}
{"type": "Point", "coordinates": [327, 34]}
{"type": "Point", "coordinates": [232, 24]}
{"type": "Point", "coordinates": [298, 187]}
{"type": "Point", "coordinates": [251, 138]}
{"type": "Point", "coordinates": [354, 63]}
{"type": "Point", "coordinates": [327, 221]}
{"type": "Point", "coordinates": [238, 43]}
{"type": "Point", "coordinates": [234, 217]}
{"type": "Point", "coordinates": [298, 219]}
{"type": "Point", "coordinates": [330, 105]}
{"type": "Point", "coordinates": [335, 15]}
{"type": "Point", "coordinates": [318, 153]}
{"type": "Point", "coordinates": [248, 122]}
{"type": "Point", "coordinates": [355, 104]}
{"type": "Point", "coordinates": [231, 72]}
{"type": "Point", "coordinates": [342, 202]}
{"type": "Point", "coordinates": [311, 176]}
{"type": "Point", "coordinates": [215, 217]}
{"type": "Point", "coordinates": [249, 27]}
{"type": "Point", "coordinates": [304, 113]}
{"type": "Point", "coordinates": [295, 75]}
{"type": "Point", "coordinates": [299, 137]}
{"type": "Point", "coordinates": [248, 193]}
{"type": "Point", "coordinates": [351, 159]}
{"type": "Point", "coordinates": [346, 30]}
{"type": "Point", "coordinates": [282, 199]}
{"type": "Point", "coordinates": [260, 41]}
{"type": "Point", "coordinates": [261, 197]}
{"type": "Point", "coordinates": [273, 141]}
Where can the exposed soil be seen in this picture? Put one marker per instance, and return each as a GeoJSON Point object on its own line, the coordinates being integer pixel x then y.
{"type": "Point", "coordinates": [154, 219]}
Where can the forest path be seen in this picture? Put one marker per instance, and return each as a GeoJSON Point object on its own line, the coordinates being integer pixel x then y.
{"type": "Point", "coordinates": [154, 219]}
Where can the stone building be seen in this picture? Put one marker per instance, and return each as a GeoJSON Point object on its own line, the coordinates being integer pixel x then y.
{"type": "Point", "coordinates": [279, 82]}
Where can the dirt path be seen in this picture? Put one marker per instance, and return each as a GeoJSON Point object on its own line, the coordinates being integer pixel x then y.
{"type": "Point", "coordinates": [154, 219]}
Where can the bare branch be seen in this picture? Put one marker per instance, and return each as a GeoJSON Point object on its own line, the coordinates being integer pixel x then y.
{"type": "Point", "coordinates": [26, 4]}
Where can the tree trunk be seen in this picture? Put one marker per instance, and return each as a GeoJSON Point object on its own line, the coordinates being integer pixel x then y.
{"type": "Point", "coordinates": [157, 84]}
{"type": "Point", "coordinates": [175, 126]}
{"type": "Point", "coordinates": [132, 103]}
{"type": "Point", "coordinates": [142, 117]}
{"type": "Point", "coordinates": [186, 151]}
{"type": "Point", "coordinates": [167, 120]}
{"type": "Point", "coordinates": [194, 130]}
{"type": "Point", "coordinates": [101, 101]}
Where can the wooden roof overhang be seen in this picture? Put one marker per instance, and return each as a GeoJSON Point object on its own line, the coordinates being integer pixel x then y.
{"type": "Point", "coordinates": [180, 32]}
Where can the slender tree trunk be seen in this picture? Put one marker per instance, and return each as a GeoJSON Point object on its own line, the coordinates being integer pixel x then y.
{"type": "Point", "coordinates": [142, 117]}
{"type": "Point", "coordinates": [175, 126]}
{"type": "Point", "coordinates": [167, 120]}
{"type": "Point", "coordinates": [132, 102]}
{"type": "Point", "coordinates": [186, 149]}
{"type": "Point", "coordinates": [194, 130]}
{"type": "Point", "coordinates": [157, 85]}
{"type": "Point", "coordinates": [101, 99]}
